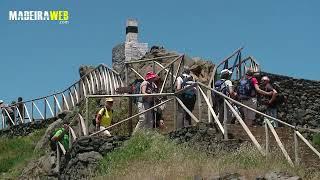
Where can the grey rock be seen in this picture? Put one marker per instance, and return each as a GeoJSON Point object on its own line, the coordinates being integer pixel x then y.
{"type": "Point", "coordinates": [280, 176]}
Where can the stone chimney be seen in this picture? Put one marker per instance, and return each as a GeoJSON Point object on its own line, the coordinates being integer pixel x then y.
{"type": "Point", "coordinates": [130, 49]}
{"type": "Point", "coordinates": [132, 30]}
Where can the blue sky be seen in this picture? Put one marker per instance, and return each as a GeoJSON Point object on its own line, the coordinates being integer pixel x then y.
{"type": "Point", "coordinates": [38, 58]}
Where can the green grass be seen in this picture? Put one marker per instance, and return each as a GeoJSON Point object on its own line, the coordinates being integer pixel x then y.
{"type": "Point", "coordinates": [17, 151]}
{"type": "Point", "coordinates": [316, 140]}
{"type": "Point", "coordinates": [150, 155]}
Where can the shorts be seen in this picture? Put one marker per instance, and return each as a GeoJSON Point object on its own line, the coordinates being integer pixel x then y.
{"type": "Point", "coordinates": [248, 114]}
{"type": "Point", "coordinates": [105, 132]}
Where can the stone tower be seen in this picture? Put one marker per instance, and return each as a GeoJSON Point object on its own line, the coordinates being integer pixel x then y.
{"type": "Point", "coordinates": [129, 50]}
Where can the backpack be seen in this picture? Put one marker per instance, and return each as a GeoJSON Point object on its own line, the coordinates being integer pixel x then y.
{"type": "Point", "coordinates": [135, 89]}
{"type": "Point", "coordinates": [185, 79]}
{"type": "Point", "coordinates": [95, 117]}
{"type": "Point", "coordinates": [245, 88]}
{"type": "Point", "coordinates": [53, 144]}
{"type": "Point", "coordinates": [221, 87]}
{"type": "Point", "coordinates": [280, 98]}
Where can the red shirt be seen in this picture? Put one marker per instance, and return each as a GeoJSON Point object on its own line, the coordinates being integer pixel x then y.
{"type": "Point", "coordinates": [254, 81]}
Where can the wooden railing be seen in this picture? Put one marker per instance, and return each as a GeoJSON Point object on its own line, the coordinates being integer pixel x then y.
{"type": "Point", "coordinates": [102, 79]}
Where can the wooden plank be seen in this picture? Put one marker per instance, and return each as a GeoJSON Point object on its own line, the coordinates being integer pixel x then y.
{"type": "Point", "coordinates": [285, 153]}
{"type": "Point", "coordinates": [216, 119]}
{"type": "Point", "coordinates": [83, 125]}
{"type": "Point", "coordinates": [137, 73]}
{"type": "Point", "coordinates": [308, 144]}
{"type": "Point", "coordinates": [151, 59]}
{"type": "Point", "coordinates": [187, 110]}
{"type": "Point", "coordinates": [245, 127]}
{"type": "Point", "coordinates": [120, 122]}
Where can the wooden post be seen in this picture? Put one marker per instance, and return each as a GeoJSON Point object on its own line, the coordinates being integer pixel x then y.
{"type": "Point", "coordinates": [172, 80]}
{"type": "Point", "coordinates": [54, 106]}
{"type": "Point", "coordinates": [199, 102]}
{"type": "Point", "coordinates": [130, 124]}
{"type": "Point", "coordinates": [240, 73]}
{"type": "Point", "coordinates": [58, 158]}
{"type": "Point", "coordinates": [32, 104]}
{"type": "Point", "coordinates": [225, 119]}
{"type": "Point", "coordinates": [210, 104]}
{"type": "Point", "coordinates": [175, 113]}
{"type": "Point", "coordinates": [87, 115]}
{"type": "Point", "coordinates": [45, 109]}
{"type": "Point", "coordinates": [3, 121]}
{"type": "Point", "coordinates": [281, 146]}
{"type": "Point", "coordinates": [126, 75]}
{"type": "Point", "coordinates": [296, 148]}
{"type": "Point", "coordinates": [267, 138]}
{"type": "Point", "coordinates": [70, 139]}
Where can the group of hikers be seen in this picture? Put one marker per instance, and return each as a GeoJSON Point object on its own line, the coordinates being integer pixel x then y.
{"type": "Point", "coordinates": [246, 92]}
{"type": "Point", "coordinates": [10, 113]}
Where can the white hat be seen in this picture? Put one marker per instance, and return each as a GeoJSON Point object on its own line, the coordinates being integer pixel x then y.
{"type": "Point", "coordinates": [1, 101]}
{"type": "Point", "coordinates": [226, 71]}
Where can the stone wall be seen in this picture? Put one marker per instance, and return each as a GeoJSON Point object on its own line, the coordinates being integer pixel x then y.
{"type": "Point", "coordinates": [82, 160]}
{"type": "Point", "coordinates": [302, 100]}
{"type": "Point", "coordinates": [118, 57]}
{"type": "Point", "coordinates": [27, 128]}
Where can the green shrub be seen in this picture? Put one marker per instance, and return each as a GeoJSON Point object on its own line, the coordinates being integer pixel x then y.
{"type": "Point", "coordinates": [316, 139]}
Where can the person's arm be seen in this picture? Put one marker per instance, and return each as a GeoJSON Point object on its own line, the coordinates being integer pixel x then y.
{"type": "Point", "coordinates": [98, 120]}
{"type": "Point", "coordinates": [254, 81]}
{"type": "Point", "coordinates": [178, 84]}
{"type": "Point", "coordinates": [60, 133]}
{"type": "Point", "coordinates": [144, 88]}
{"type": "Point", "coordinates": [274, 96]}
{"type": "Point", "coordinates": [260, 91]}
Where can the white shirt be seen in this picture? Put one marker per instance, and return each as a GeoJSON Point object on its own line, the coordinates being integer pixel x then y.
{"type": "Point", "coordinates": [188, 83]}
{"type": "Point", "coordinates": [227, 84]}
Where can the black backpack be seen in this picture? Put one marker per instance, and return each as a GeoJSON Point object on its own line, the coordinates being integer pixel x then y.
{"type": "Point", "coordinates": [280, 98]}
{"type": "Point", "coordinates": [185, 80]}
{"type": "Point", "coordinates": [135, 89]}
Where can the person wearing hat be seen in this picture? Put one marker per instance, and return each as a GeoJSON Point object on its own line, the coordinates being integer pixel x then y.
{"type": "Point", "coordinates": [104, 117]}
{"type": "Point", "coordinates": [225, 86]}
{"type": "Point", "coordinates": [148, 86]}
{"type": "Point", "coordinates": [247, 92]}
{"type": "Point", "coordinates": [188, 97]}
{"type": "Point", "coordinates": [270, 102]}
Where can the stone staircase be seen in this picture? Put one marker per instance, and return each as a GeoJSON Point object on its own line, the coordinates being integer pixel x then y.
{"type": "Point", "coordinates": [306, 155]}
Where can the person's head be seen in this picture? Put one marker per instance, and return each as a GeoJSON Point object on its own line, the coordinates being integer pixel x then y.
{"type": "Point", "coordinates": [250, 72]}
{"type": "Point", "coordinates": [19, 99]}
{"type": "Point", "coordinates": [66, 124]}
{"type": "Point", "coordinates": [265, 80]}
{"type": "Point", "coordinates": [13, 102]}
{"type": "Point", "coordinates": [225, 74]}
{"type": "Point", "coordinates": [1, 102]}
{"type": "Point", "coordinates": [151, 76]}
{"type": "Point", "coordinates": [186, 70]}
{"type": "Point", "coordinates": [109, 103]}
